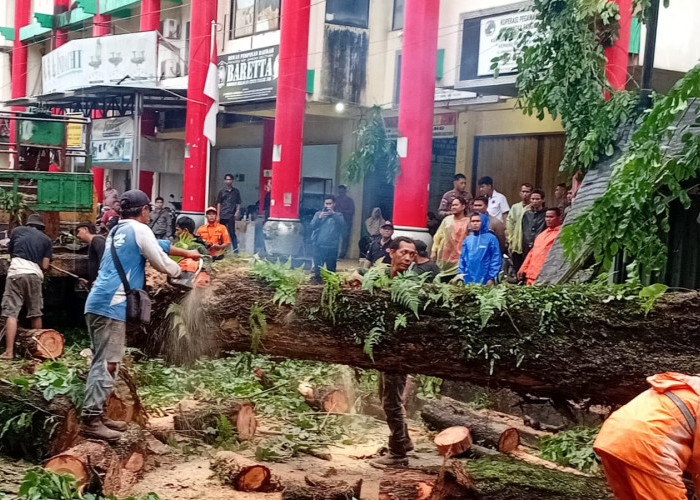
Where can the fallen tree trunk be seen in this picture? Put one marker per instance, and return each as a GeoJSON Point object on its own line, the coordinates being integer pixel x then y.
{"type": "Point", "coordinates": [588, 346]}
{"type": "Point", "coordinates": [40, 343]}
{"type": "Point", "coordinates": [443, 413]}
{"type": "Point", "coordinates": [199, 416]}
{"type": "Point", "coordinates": [326, 399]}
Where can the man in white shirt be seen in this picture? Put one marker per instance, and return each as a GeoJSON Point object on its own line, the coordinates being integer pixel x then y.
{"type": "Point", "coordinates": [498, 204]}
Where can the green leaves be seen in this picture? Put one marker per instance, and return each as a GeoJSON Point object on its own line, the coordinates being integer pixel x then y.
{"type": "Point", "coordinates": [633, 213]}
{"type": "Point", "coordinates": [281, 277]}
{"type": "Point", "coordinates": [572, 448]}
{"type": "Point", "coordinates": [374, 150]}
{"type": "Point", "coordinates": [331, 291]}
{"type": "Point", "coordinates": [490, 299]}
{"type": "Point", "coordinates": [53, 378]}
{"type": "Point", "coordinates": [258, 326]}
{"type": "Point", "coordinates": [650, 294]}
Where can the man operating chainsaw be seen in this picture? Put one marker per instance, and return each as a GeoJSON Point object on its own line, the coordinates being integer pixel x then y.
{"type": "Point", "coordinates": [131, 243]}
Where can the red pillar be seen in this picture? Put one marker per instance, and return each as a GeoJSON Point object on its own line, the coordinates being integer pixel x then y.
{"type": "Point", "coordinates": [418, 61]}
{"type": "Point", "coordinates": [101, 26]}
{"type": "Point", "coordinates": [289, 110]}
{"type": "Point", "coordinates": [196, 145]}
{"type": "Point", "coordinates": [60, 36]}
{"type": "Point", "coordinates": [618, 54]}
{"type": "Point", "coordinates": [19, 63]}
{"type": "Point", "coordinates": [266, 158]}
{"type": "Point", "coordinates": [149, 21]}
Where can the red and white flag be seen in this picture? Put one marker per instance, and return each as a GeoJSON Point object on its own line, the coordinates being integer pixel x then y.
{"type": "Point", "coordinates": [211, 92]}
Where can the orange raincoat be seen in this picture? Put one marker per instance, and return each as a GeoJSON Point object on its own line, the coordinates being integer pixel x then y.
{"type": "Point", "coordinates": [646, 445]}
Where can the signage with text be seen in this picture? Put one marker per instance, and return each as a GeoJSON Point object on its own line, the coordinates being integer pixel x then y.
{"type": "Point", "coordinates": [112, 139]}
{"type": "Point", "coordinates": [444, 125]}
{"type": "Point", "coordinates": [249, 76]}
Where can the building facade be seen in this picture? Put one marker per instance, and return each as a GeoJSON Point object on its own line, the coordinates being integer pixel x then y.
{"type": "Point", "coordinates": [458, 119]}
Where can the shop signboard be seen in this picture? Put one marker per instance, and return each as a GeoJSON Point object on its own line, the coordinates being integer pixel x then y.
{"type": "Point", "coordinates": [482, 41]}
{"type": "Point", "coordinates": [74, 132]}
{"type": "Point", "coordinates": [112, 140]}
{"type": "Point", "coordinates": [249, 76]}
{"type": "Point", "coordinates": [107, 60]}
{"type": "Point", "coordinates": [444, 126]}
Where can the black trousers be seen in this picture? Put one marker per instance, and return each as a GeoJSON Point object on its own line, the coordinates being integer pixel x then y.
{"type": "Point", "coordinates": [231, 228]}
{"type": "Point", "coordinates": [518, 260]}
{"type": "Point", "coordinates": [327, 256]}
{"type": "Point", "coordinates": [391, 389]}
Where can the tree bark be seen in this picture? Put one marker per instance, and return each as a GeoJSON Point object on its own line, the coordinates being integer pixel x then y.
{"type": "Point", "coordinates": [604, 356]}
{"type": "Point", "coordinates": [197, 416]}
{"type": "Point", "coordinates": [406, 484]}
{"type": "Point", "coordinates": [41, 343]}
{"type": "Point", "coordinates": [444, 413]}
{"type": "Point", "coordinates": [317, 488]}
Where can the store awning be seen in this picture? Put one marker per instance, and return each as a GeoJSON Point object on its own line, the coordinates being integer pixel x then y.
{"type": "Point", "coordinates": [119, 98]}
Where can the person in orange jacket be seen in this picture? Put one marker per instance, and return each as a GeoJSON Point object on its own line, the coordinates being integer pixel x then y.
{"type": "Point", "coordinates": [647, 445]}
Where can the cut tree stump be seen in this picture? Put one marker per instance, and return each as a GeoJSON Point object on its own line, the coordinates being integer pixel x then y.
{"type": "Point", "coordinates": [326, 399]}
{"type": "Point", "coordinates": [41, 343]}
{"type": "Point", "coordinates": [243, 474]}
{"type": "Point", "coordinates": [199, 416]}
{"type": "Point", "coordinates": [453, 441]}
{"type": "Point", "coordinates": [316, 488]}
{"type": "Point", "coordinates": [621, 343]}
{"type": "Point", "coordinates": [443, 413]}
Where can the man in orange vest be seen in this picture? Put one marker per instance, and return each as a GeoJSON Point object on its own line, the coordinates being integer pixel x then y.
{"type": "Point", "coordinates": [215, 235]}
{"type": "Point", "coordinates": [534, 261]}
{"type": "Point", "coordinates": [648, 444]}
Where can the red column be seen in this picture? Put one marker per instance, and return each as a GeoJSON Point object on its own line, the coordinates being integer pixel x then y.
{"type": "Point", "coordinates": [617, 55]}
{"type": "Point", "coordinates": [289, 110]}
{"type": "Point", "coordinates": [19, 63]}
{"type": "Point", "coordinates": [60, 36]}
{"type": "Point", "coordinates": [101, 26]}
{"type": "Point", "coordinates": [196, 145]}
{"type": "Point", "coordinates": [150, 21]}
{"type": "Point", "coordinates": [266, 158]}
{"type": "Point", "coordinates": [418, 61]}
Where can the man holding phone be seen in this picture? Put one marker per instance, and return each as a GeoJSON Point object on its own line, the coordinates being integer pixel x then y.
{"type": "Point", "coordinates": [327, 229]}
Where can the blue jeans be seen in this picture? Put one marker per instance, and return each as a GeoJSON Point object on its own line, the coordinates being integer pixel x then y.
{"type": "Point", "coordinates": [108, 338]}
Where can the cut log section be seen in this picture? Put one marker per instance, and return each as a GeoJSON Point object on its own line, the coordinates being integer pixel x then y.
{"type": "Point", "coordinates": [94, 464]}
{"type": "Point", "coordinates": [317, 488]}
{"type": "Point", "coordinates": [198, 416]}
{"type": "Point", "coordinates": [124, 403]}
{"type": "Point", "coordinates": [327, 399]}
{"type": "Point", "coordinates": [400, 484]}
{"type": "Point", "coordinates": [243, 474]}
{"type": "Point", "coordinates": [453, 441]}
{"type": "Point", "coordinates": [40, 343]}
{"type": "Point", "coordinates": [443, 413]}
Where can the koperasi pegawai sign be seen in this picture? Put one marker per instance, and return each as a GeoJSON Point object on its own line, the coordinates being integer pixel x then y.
{"type": "Point", "coordinates": [249, 76]}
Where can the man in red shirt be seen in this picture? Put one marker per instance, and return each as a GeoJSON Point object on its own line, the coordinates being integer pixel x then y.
{"type": "Point", "coordinates": [534, 261]}
{"type": "Point", "coordinates": [215, 235]}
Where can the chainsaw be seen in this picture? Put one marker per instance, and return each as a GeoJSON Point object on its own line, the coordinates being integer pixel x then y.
{"type": "Point", "coordinates": [195, 273]}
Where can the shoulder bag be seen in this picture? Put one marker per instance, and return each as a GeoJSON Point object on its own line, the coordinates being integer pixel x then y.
{"type": "Point", "coordinates": [138, 303]}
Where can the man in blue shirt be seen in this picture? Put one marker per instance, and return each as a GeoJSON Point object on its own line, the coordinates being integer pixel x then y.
{"type": "Point", "coordinates": [328, 227]}
{"type": "Point", "coordinates": [480, 260]}
{"type": "Point", "coordinates": [105, 309]}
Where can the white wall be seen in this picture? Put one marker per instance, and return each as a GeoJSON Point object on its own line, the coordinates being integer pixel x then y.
{"type": "Point", "coordinates": [678, 36]}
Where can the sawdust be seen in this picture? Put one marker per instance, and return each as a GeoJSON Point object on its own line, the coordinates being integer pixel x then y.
{"type": "Point", "coordinates": [189, 333]}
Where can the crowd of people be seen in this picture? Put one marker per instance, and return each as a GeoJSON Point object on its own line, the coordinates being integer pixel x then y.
{"type": "Point", "coordinates": [476, 236]}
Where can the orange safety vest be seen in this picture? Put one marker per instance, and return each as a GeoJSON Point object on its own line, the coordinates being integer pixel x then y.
{"type": "Point", "coordinates": [651, 432]}
{"type": "Point", "coordinates": [214, 234]}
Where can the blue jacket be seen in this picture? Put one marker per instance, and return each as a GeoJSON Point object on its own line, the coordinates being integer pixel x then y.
{"type": "Point", "coordinates": [326, 232]}
{"type": "Point", "coordinates": [480, 259]}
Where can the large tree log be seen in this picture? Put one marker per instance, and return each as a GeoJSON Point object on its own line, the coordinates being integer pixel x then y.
{"type": "Point", "coordinates": [604, 355]}
{"type": "Point", "coordinates": [326, 399]}
{"type": "Point", "coordinates": [443, 413]}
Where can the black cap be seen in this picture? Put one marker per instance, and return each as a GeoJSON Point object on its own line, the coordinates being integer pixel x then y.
{"type": "Point", "coordinates": [134, 198]}
{"type": "Point", "coordinates": [387, 223]}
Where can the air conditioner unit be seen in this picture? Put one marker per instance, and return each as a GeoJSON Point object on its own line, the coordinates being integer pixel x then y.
{"type": "Point", "coordinates": [171, 29]}
{"type": "Point", "coordinates": [170, 68]}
